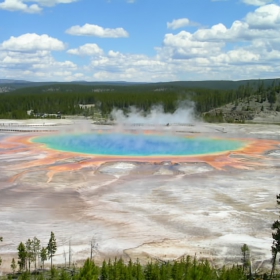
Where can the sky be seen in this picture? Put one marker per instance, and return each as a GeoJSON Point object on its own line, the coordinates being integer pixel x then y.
{"type": "Point", "coordinates": [139, 40]}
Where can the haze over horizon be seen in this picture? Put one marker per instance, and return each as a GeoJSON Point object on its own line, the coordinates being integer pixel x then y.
{"type": "Point", "coordinates": [138, 40]}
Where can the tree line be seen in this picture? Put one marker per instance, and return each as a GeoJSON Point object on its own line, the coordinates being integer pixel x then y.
{"type": "Point", "coordinates": [67, 98]}
{"type": "Point", "coordinates": [31, 251]}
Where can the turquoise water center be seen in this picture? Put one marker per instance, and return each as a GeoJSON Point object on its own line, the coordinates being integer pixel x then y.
{"type": "Point", "coordinates": [131, 144]}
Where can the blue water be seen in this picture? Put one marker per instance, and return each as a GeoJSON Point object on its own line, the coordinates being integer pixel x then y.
{"type": "Point", "coordinates": [126, 144]}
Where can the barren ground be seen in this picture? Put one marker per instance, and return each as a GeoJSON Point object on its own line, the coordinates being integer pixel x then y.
{"type": "Point", "coordinates": [142, 210]}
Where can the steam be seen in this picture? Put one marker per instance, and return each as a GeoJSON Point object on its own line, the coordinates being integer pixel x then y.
{"type": "Point", "coordinates": [120, 140]}
{"type": "Point", "coordinates": [183, 115]}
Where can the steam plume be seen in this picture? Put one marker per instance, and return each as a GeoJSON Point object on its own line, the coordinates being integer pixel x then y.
{"type": "Point", "coordinates": [183, 115]}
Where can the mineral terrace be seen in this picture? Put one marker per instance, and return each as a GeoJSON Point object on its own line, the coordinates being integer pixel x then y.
{"type": "Point", "coordinates": [208, 207]}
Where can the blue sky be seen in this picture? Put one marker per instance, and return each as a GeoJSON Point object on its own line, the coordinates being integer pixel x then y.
{"type": "Point", "coordinates": [139, 40]}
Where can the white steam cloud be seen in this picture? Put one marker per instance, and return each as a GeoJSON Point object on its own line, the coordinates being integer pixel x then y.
{"type": "Point", "coordinates": [184, 115]}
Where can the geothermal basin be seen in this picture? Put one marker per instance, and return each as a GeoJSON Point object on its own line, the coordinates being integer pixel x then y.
{"type": "Point", "coordinates": [140, 144]}
{"type": "Point", "coordinates": [201, 190]}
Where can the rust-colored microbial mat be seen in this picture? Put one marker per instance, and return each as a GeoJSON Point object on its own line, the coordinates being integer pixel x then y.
{"type": "Point", "coordinates": [247, 153]}
{"type": "Point", "coordinates": [142, 206]}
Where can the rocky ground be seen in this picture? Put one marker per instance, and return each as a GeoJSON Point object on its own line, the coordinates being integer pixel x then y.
{"type": "Point", "coordinates": [250, 110]}
{"type": "Point", "coordinates": [207, 207]}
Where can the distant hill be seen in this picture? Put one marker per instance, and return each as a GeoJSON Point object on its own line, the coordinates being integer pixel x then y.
{"type": "Point", "coordinates": [17, 84]}
{"type": "Point", "coordinates": [222, 84]}
{"type": "Point", "coordinates": [219, 85]}
{"type": "Point", "coordinates": [7, 81]}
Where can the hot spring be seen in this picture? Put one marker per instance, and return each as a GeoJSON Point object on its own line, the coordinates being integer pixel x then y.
{"type": "Point", "coordinates": [138, 145]}
{"type": "Point", "coordinates": [144, 192]}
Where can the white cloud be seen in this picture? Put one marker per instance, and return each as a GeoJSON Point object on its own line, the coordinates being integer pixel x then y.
{"type": "Point", "coordinates": [239, 56]}
{"type": "Point", "coordinates": [62, 73]}
{"type": "Point", "coordinates": [31, 42]}
{"type": "Point", "coordinates": [15, 58]}
{"type": "Point", "coordinates": [249, 48]}
{"type": "Point", "coordinates": [254, 49]}
{"type": "Point", "coordinates": [257, 2]}
{"type": "Point", "coordinates": [36, 65]}
{"type": "Point", "coordinates": [79, 75]}
{"type": "Point", "coordinates": [263, 23]}
{"type": "Point", "coordinates": [87, 49]}
{"type": "Point", "coordinates": [118, 61]}
{"type": "Point", "coordinates": [20, 5]}
{"type": "Point", "coordinates": [238, 32]}
{"type": "Point", "coordinates": [129, 67]}
{"type": "Point", "coordinates": [266, 17]}
{"type": "Point", "coordinates": [98, 31]}
{"type": "Point", "coordinates": [179, 23]}
{"type": "Point", "coordinates": [50, 3]}
{"type": "Point", "coordinates": [183, 45]}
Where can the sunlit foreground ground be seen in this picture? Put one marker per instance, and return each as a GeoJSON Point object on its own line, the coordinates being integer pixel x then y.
{"type": "Point", "coordinates": [207, 206]}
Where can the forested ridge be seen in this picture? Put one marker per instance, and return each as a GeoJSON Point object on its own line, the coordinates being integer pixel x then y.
{"type": "Point", "coordinates": [67, 98]}
{"type": "Point", "coordinates": [209, 84]}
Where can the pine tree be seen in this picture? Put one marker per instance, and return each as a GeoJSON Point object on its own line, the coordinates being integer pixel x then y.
{"type": "Point", "coordinates": [54, 273]}
{"type": "Point", "coordinates": [89, 271]}
{"type": "Point", "coordinates": [51, 248]}
{"type": "Point", "coordinates": [104, 271]}
{"type": "Point", "coordinates": [22, 254]}
{"type": "Point", "coordinates": [139, 273]}
{"type": "Point", "coordinates": [1, 239]}
{"type": "Point", "coordinates": [29, 252]}
{"type": "Point", "coordinates": [43, 255]}
{"type": "Point", "coordinates": [13, 266]}
{"type": "Point", "coordinates": [246, 258]}
{"type": "Point", "coordinates": [64, 275]}
{"type": "Point", "coordinates": [25, 276]}
{"type": "Point", "coordinates": [35, 249]}
{"type": "Point", "coordinates": [275, 248]}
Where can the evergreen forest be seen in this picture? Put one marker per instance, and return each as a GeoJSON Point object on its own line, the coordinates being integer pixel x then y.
{"type": "Point", "coordinates": [68, 99]}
